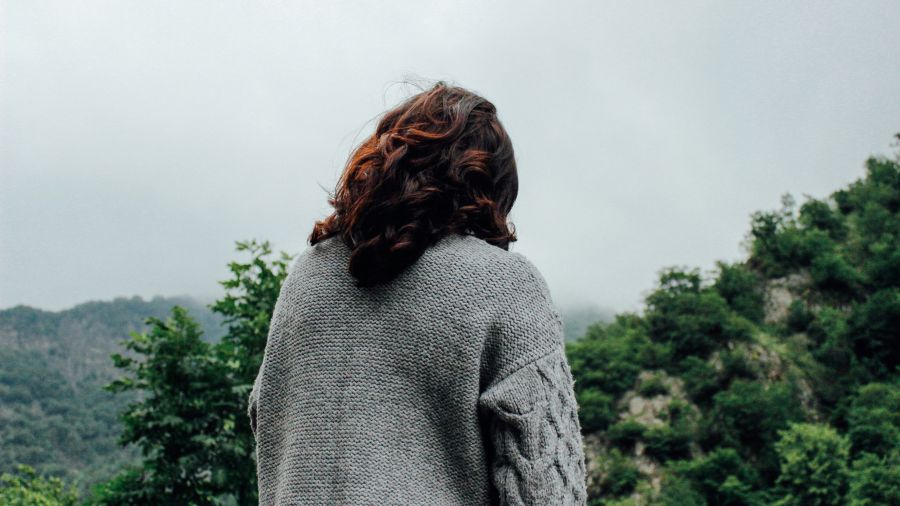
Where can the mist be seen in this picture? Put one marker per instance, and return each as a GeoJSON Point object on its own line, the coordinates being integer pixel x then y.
{"type": "Point", "coordinates": [140, 140]}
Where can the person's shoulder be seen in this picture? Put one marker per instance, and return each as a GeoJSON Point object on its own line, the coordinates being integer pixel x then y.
{"type": "Point", "coordinates": [528, 274]}
{"type": "Point", "coordinates": [322, 251]}
{"type": "Point", "coordinates": [332, 243]}
{"type": "Point", "coordinates": [313, 261]}
{"type": "Point", "coordinates": [504, 269]}
{"type": "Point", "coordinates": [476, 252]}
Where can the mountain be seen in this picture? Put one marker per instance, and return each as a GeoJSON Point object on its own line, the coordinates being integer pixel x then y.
{"type": "Point", "coordinates": [54, 414]}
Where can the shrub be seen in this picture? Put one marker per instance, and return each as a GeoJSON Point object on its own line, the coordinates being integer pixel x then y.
{"type": "Point", "coordinates": [748, 415]}
{"type": "Point", "coordinates": [874, 419]}
{"type": "Point", "coordinates": [831, 273]}
{"type": "Point", "coordinates": [874, 330]}
{"type": "Point", "coordinates": [595, 409]}
{"type": "Point", "coordinates": [626, 433]}
{"type": "Point", "coordinates": [819, 214]}
{"type": "Point", "coordinates": [701, 381]}
{"type": "Point", "coordinates": [679, 412]}
{"type": "Point", "coordinates": [607, 357]}
{"type": "Point", "coordinates": [722, 477]}
{"type": "Point", "coordinates": [742, 290]}
{"type": "Point", "coordinates": [828, 331]}
{"type": "Point", "coordinates": [668, 443]}
{"type": "Point", "coordinates": [693, 320]}
{"type": "Point", "coordinates": [26, 488]}
{"type": "Point", "coordinates": [798, 317]}
{"type": "Point", "coordinates": [813, 462]}
{"type": "Point", "coordinates": [677, 491]}
{"type": "Point", "coordinates": [653, 386]}
{"type": "Point", "coordinates": [736, 365]}
{"type": "Point", "coordinates": [622, 476]}
{"type": "Point", "coordinates": [875, 480]}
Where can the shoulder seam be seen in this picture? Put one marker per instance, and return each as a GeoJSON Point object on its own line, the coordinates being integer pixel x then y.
{"type": "Point", "coordinates": [559, 349]}
{"type": "Point", "coordinates": [536, 277]}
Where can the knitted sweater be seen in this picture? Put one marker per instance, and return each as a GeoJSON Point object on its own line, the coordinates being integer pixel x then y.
{"type": "Point", "coordinates": [447, 386]}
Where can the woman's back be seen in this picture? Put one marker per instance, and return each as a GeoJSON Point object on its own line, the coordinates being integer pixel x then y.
{"type": "Point", "coordinates": [447, 385]}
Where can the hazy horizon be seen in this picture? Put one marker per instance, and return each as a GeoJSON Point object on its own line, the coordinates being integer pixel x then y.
{"type": "Point", "coordinates": [139, 141]}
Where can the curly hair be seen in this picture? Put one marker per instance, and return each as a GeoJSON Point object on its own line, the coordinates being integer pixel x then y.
{"type": "Point", "coordinates": [439, 163]}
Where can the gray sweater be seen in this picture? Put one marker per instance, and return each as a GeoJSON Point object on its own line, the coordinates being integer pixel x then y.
{"type": "Point", "coordinates": [447, 386]}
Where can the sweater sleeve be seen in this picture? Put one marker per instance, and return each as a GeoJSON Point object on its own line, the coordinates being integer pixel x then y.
{"type": "Point", "coordinates": [538, 455]}
{"type": "Point", "coordinates": [253, 399]}
{"type": "Point", "coordinates": [275, 329]}
{"type": "Point", "coordinates": [528, 402]}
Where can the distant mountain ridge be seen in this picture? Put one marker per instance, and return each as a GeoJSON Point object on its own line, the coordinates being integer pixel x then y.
{"type": "Point", "coordinates": [54, 414]}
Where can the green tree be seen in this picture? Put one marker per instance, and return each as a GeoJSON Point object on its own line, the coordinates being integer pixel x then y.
{"type": "Point", "coordinates": [26, 488]}
{"type": "Point", "coordinates": [874, 330]}
{"type": "Point", "coordinates": [824, 216]}
{"type": "Point", "coordinates": [248, 306]}
{"type": "Point", "coordinates": [701, 380]}
{"type": "Point", "coordinates": [742, 290]}
{"type": "Point", "coordinates": [620, 477]}
{"type": "Point", "coordinates": [875, 480]}
{"type": "Point", "coordinates": [676, 490]}
{"type": "Point", "coordinates": [691, 318]}
{"type": "Point", "coordinates": [813, 460]}
{"type": "Point", "coordinates": [626, 433]}
{"type": "Point", "coordinates": [606, 361]}
{"type": "Point", "coordinates": [874, 419]}
{"type": "Point", "coordinates": [181, 423]}
{"type": "Point", "coordinates": [747, 416]}
{"type": "Point", "coordinates": [777, 244]}
{"type": "Point", "coordinates": [723, 477]}
{"type": "Point", "coordinates": [191, 423]}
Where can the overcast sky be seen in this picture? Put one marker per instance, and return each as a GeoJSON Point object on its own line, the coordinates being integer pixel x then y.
{"type": "Point", "coordinates": [139, 140]}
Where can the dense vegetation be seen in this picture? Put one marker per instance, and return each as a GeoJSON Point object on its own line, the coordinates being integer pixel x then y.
{"type": "Point", "coordinates": [54, 414]}
{"type": "Point", "coordinates": [191, 422]}
{"type": "Point", "coordinates": [771, 381]}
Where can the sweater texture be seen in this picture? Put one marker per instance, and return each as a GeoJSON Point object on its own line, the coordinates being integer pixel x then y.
{"type": "Point", "coordinates": [448, 385]}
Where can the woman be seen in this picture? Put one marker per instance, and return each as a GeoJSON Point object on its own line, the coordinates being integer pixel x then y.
{"type": "Point", "coordinates": [413, 359]}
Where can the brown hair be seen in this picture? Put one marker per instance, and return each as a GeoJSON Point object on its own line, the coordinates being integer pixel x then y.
{"type": "Point", "coordinates": [438, 163]}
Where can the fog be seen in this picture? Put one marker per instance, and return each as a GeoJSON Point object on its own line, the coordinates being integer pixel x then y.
{"type": "Point", "coordinates": [140, 140]}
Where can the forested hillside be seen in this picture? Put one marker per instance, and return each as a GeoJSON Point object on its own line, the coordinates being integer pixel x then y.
{"type": "Point", "coordinates": [54, 414]}
{"type": "Point", "coordinates": [770, 381]}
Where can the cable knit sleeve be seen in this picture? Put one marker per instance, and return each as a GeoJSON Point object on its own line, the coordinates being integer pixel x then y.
{"type": "Point", "coordinates": [529, 404]}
